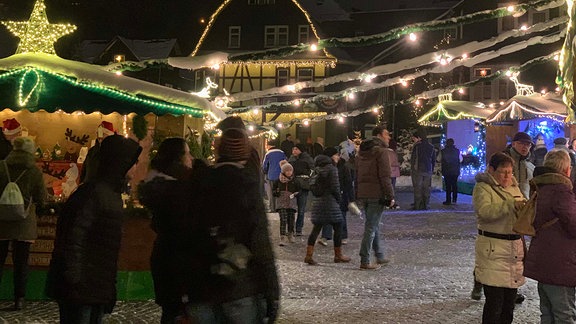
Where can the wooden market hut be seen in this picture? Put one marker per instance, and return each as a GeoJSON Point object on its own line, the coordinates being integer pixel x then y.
{"type": "Point", "coordinates": [57, 100]}
{"type": "Point", "coordinates": [532, 113]}
{"type": "Point", "coordinates": [464, 122]}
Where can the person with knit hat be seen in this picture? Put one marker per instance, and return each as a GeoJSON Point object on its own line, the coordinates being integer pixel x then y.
{"type": "Point", "coordinates": [285, 190]}
{"type": "Point", "coordinates": [21, 163]}
{"type": "Point", "coordinates": [303, 165]}
{"type": "Point", "coordinates": [326, 207]}
{"type": "Point", "coordinates": [236, 269]}
{"type": "Point", "coordinates": [90, 164]}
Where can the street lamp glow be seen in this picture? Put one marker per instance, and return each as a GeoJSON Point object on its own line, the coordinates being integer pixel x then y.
{"type": "Point", "coordinates": [314, 47]}
{"type": "Point", "coordinates": [412, 37]}
{"type": "Point", "coordinates": [510, 8]}
{"type": "Point", "coordinates": [255, 111]}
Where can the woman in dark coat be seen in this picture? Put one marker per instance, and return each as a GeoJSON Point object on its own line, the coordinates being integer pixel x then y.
{"type": "Point", "coordinates": [326, 209]}
{"type": "Point", "coordinates": [551, 259]}
{"type": "Point", "coordinates": [83, 269]}
{"type": "Point", "coordinates": [165, 193]}
{"type": "Point", "coordinates": [21, 233]}
{"type": "Point", "coordinates": [233, 270]}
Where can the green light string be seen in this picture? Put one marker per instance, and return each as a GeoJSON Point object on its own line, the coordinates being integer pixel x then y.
{"type": "Point", "coordinates": [396, 33]}
{"type": "Point", "coordinates": [169, 108]}
{"type": "Point", "coordinates": [23, 101]}
{"type": "Point", "coordinates": [566, 63]}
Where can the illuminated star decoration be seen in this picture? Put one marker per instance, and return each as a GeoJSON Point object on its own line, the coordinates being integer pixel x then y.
{"type": "Point", "coordinates": [37, 35]}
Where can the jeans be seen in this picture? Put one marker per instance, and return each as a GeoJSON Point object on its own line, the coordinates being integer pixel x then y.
{"type": "Point", "coordinates": [421, 183]}
{"type": "Point", "coordinates": [80, 314]}
{"type": "Point", "coordinates": [245, 310]}
{"type": "Point", "coordinates": [371, 239]}
{"type": "Point", "coordinates": [316, 231]}
{"type": "Point", "coordinates": [451, 183]}
{"type": "Point", "coordinates": [499, 305]}
{"type": "Point", "coordinates": [557, 304]}
{"type": "Point", "coordinates": [20, 253]}
{"type": "Point", "coordinates": [301, 200]}
{"type": "Point", "coordinates": [271, 201]}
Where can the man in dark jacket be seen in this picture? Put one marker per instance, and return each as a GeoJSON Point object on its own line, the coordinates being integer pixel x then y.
{"type": "Point", "coordinates": [519, 150]}
{"type": "Point", "coordinates": [83, 269]}
{"type": "Point", "coordinates": [303, 164]}
{"type": "Point", "coordinates": [422, 164]}
{"type": "Point", "coordinates": [373, 193]}
{"type": "Point", "coordinates": [450, 160]}
{"type": "Point", "coordinates": [287, 145]}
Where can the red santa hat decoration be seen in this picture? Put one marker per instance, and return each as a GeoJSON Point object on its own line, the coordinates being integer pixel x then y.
{"type": "Point", "coordinates": [106, 128]}
{"type": "Point", "coordinates": [11, 127]}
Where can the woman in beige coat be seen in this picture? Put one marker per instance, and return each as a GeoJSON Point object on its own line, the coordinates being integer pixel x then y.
{"type": "Point", "coordinates": [499, 251]}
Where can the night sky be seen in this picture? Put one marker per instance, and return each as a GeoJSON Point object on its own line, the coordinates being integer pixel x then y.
{"type": "Point", "coordinates": [104, 19]}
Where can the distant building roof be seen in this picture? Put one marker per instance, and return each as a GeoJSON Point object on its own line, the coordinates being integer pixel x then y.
{"type": "Point", "coordinates": [149, 49]}
{"type": "Point", "coordinates": [325, 10]}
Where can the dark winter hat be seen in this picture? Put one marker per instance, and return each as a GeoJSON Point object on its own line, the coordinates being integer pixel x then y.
{"type": "Point", "coordinates": [522, 137]}
{"type": "Point", "coordinates": [234, 146]}
{"type": "Point", "coordinates": [329, 151]}
{"type": "Point", "coordinates": [301, 147]}
{"type": "Point", "coordinates": [560, 141]}
{"type": "Point", "coordinates": [231, 122]}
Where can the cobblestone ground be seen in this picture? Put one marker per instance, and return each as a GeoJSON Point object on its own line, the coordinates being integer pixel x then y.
{"type": "Point", "coordinates": [428, 280]}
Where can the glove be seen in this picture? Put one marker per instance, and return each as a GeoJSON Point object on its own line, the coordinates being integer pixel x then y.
{"type": "Point", "coordinates": [272, 306]}
{"type": "Point", "coordinates": [385, 202]}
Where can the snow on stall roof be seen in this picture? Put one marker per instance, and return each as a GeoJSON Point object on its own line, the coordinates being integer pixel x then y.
{"type": "Point", "coordinates": [97, 75]}
{"type": "Point", "coordinates": [198, 61]}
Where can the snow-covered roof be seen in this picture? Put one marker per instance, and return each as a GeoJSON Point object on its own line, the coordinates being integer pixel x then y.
{"type": "Point", "coordinates": [89, 50]}
{"type": "Point", "coordinates": [149, 49]}
{"type": "Point", "coordinates": [97, 76]}
{"type": "Point", "coordinates": [530, 107]}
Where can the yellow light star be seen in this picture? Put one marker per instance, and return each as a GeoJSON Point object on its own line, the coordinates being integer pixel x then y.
{"type": "Point", "coordinates": [37, 35]}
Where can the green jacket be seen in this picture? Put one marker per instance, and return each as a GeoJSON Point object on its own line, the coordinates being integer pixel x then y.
{"type": "Point", "coordinates": [31, 185]}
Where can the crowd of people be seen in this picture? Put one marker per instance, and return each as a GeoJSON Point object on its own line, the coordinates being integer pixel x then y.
{"type": "Point", "coordinates": [221, 269]}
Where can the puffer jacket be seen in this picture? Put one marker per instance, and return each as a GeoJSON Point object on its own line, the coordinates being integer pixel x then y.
{"type": "Point", "coordinates": [31, 185]}
{"type": "Point", "coordinates": [373, 172]}
{"type": "Point", "coordinates": [326, 208]}
{"type": "Point", "coordinates": [551, 259]}
{"type": "Point", "coordinates": [498, 261]}
{"type": "Point", "coordinates": [84, 261]}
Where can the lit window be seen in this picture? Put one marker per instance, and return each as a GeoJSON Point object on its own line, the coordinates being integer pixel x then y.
{"type": "Point", "coordinates": [119, 58]}
{"type": "Point", "coordinates": [234, 36]}
{"type": "Point", "coordinates": [482, 72]}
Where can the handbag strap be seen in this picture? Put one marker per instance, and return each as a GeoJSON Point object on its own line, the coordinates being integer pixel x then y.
{"type": "Point", "coordinates": [8, 172]}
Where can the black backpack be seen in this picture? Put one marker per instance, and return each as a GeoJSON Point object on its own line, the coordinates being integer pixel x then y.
{"type": "Point", "coordinates": [318, 183]}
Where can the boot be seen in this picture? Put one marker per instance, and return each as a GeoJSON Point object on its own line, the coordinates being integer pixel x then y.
{"type": "Point", "coordinates": [338, 257]}
{"type": "Point", "coordinates": [18, 303]}
{"type": "Point", "coordinates": [309, 252]}
{"type": "Point", "coordinates": [283, 240]}
{"type": "Point", "coordinates": [291, 238]}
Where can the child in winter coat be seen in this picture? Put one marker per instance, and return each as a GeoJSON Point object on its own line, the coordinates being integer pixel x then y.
{"type": "Point", "coordinates": [285, 191]}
